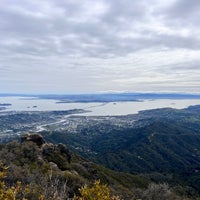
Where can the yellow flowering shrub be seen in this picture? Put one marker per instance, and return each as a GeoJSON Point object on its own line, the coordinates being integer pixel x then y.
{"type": "Point", "coordinates": [96, 192]}
{"type": "Point", "coordinates": [9, 193]}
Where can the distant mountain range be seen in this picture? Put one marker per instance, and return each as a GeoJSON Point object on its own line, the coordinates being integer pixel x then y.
{"type": "Point", "coordinates": [108, 97]}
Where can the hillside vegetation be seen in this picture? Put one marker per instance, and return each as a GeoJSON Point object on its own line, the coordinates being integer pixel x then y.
{"type": "Point", "coordinates": [166, 148]}
{"type": "Point", "coordinates": [54, 172]}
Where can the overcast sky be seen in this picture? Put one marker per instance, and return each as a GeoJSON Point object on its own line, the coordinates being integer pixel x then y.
{"type": "Point", "coordinates": [86, 46]}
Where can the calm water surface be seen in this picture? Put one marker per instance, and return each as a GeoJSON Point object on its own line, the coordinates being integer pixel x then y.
{"type": "Point", "coordinates": [97, 109]}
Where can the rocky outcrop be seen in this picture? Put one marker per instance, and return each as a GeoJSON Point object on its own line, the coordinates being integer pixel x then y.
{"type": "Point", "coordinates": [58, 154]}
{"type": "Point", "coordinates": [53, 153]}
{"type": "Point", "coordinates": [36, 138]}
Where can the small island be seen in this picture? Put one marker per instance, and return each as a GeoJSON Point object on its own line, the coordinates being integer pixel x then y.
{"type": "Point", "coordinates": [5, 104]}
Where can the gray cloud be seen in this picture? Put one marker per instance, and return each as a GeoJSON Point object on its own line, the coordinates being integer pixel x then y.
{"type": "Point", "coordinates": [88, 46]}
{"type": "Point", "coordinates": [184, 10]}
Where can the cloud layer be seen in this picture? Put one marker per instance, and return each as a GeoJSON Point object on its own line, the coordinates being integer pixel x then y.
{"type": "Point", "coordinates": [73, 46]}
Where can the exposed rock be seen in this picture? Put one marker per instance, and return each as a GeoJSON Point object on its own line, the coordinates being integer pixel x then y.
{"type": "Point", "coordinates": [36, 138]}
{"type": "Point", "coordinates": [58, 154]}
{"type": "Point", "coordinates": [48, 149]}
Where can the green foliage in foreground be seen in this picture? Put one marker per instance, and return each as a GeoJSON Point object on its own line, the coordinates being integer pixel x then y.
{"type": "Point", "coordinates": [29, 166]}
{"type": "Point", "coordinates": [95, 191]}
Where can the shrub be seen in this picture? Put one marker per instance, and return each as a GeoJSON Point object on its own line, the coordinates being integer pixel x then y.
{"type": "Point", "coordinates": [96, 192]}
{"type": "Point", "coordinates": [10, 193]}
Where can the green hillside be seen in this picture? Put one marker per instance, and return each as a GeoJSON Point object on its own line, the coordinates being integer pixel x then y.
{"type": "Point", "coordinates": [51, 168]}
{"type": "Point", "coordinates": [165, 148]}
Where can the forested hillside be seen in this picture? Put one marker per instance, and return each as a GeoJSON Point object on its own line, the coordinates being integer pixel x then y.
{"type": "Point", "coordinates": [52, 171]}
{"type": "Point", "coordinates": [33, 169]}
{"type": "Point", "coordinates": [165, 148]}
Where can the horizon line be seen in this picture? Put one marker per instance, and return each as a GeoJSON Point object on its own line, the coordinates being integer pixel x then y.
{"type": "Point", "coordinates": [98, 93]}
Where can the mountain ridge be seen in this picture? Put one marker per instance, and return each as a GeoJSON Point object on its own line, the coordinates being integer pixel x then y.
{"type": "Point", "coordinates": [164, 141]}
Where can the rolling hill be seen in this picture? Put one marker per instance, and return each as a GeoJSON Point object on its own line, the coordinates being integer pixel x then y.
{"type": "Point", "coordinates": [165, 146]}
